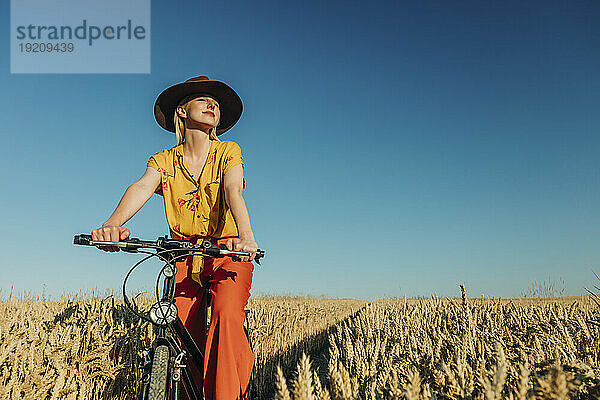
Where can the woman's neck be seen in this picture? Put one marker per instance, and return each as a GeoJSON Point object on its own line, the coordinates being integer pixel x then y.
{"type": "Point", "coordinates": [196, 144]}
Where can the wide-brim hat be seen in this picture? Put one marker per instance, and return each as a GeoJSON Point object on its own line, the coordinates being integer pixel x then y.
{"type": "Point", "coordinates": [230, 104]}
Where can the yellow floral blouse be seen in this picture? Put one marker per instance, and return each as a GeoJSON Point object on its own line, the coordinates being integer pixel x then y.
{"type": "Point", "coordinates": [195, 206]}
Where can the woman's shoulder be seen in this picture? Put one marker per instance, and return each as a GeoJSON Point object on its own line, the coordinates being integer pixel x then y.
{"type": "Point", "coordinates": [227, 143]}
{"type": "Point", "coordinates": [226, 146]}
{"type": "Point", "coordinates": [166, 152]}
{"type": "Point", "coordinates": [161, 157]}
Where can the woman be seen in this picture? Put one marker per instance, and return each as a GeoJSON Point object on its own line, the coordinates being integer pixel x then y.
{"type": "Point", "coordinates": [201, 180]}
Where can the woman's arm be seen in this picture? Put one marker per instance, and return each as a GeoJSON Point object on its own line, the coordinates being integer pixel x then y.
{"type": "Point", "coordinates": [136, 195]}
{"type": "Point", "coordinates": [233, 182]}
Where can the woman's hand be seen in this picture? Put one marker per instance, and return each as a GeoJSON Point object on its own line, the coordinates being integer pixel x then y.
{"type": "Point", "coordinates": [110, 234]}
{"type": "Point", "coordinates": [136, 195]}
{"type": "Point", "coordinates": [243, 244]}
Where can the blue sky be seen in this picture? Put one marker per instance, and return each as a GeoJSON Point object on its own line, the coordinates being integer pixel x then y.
{"type": "Point", "coordinates": [389, 147]}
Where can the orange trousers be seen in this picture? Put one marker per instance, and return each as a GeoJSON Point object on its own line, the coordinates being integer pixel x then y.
{"type": "Point", "coordinates": [228, 359]}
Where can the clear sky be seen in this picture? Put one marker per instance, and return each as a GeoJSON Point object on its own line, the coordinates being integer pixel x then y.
{"type": "Point", "coordinates": [390, 147]}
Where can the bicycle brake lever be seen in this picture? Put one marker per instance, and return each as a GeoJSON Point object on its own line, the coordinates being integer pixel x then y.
{"type": "Point", "coordinates": [234, 257]}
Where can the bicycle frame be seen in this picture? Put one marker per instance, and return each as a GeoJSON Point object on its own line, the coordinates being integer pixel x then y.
{"type": "Point", "coordinates": [188, 345]}
{"type": "Point", "coordinates": [181, 343]}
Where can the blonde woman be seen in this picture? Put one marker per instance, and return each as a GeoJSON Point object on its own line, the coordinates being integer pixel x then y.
{"type": "Point", "coordinates": [201, 180]}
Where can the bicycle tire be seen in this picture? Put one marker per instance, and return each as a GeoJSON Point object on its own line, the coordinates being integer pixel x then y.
{"type": "Point", "coordinates": [157, 389]}
{"type": "Point", "coordinates": [251, 392]}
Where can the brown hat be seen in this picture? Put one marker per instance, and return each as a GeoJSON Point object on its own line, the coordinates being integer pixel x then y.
{"type": "Point", "coordinates": [230, 103]}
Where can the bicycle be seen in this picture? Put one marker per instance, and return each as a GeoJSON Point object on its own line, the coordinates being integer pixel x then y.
{"type": "Point", "coordinates": [173, 346]}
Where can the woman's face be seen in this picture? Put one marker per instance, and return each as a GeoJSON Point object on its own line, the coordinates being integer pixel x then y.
{"type": "Point", "coordinates": [203, 110]}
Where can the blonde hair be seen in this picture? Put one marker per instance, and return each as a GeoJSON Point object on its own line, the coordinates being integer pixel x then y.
{"type": "Point", "coordinates": [180, 122]}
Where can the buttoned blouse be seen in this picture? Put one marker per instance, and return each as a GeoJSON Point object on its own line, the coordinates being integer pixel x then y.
{"type": "Point", "coordinates": [196, 206]}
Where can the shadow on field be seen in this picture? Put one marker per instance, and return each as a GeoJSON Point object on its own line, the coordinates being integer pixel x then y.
{"type": "Point", "coordinates": [102, 342]}
{"type": "Point", "coordinates": [105, 341]}
{"type": "Point", "coordinates": [316, 347]}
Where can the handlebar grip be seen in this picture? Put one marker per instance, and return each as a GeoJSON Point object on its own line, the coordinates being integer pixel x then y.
{"type": "Point", "coordinates": [82, 239]}
{"type": "Point", "coordinates": [259, 253]}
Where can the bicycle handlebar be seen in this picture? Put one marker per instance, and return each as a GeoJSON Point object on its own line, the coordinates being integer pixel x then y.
{"type": "Point", "coordinates": [132, 245]}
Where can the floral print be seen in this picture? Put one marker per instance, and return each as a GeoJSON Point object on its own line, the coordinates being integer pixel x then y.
{"type": "Point", "coordinates": [192, 202]}
{"type": "Point", "coordinates": [189, 205]}
{"type": "Point", "coordinates": [164, 175]}
{"type": "Point", "coordinates": [177, 230]}
{"type": "Point", "coordinates": [192, 210]}
{"type": "Point", "coordinates": [227, 161]}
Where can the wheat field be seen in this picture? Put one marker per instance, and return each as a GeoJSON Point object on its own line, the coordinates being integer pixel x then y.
{"type": "Point", "coordinates": [306, 348]}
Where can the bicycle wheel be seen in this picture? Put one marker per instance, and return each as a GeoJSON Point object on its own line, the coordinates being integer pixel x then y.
{"type": "Point", "coordinates": [158, 374]}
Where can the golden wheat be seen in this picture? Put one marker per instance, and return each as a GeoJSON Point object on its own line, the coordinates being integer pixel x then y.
{"type": "Point", "coordinates": [322, 349]}
{"type": "Point", "coordinates": [91, 348]}
{"type": "Point", "coordinates": [474, 349]}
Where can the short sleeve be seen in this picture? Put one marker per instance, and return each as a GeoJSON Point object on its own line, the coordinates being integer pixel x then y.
{"type": "Point", "coordinates": [153, 163]}
{"type": "Point", "coordinates": [233, 157]}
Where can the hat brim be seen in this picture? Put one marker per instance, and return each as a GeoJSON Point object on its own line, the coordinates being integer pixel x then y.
{"type": "Point", "coordinates": [230, 104]}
